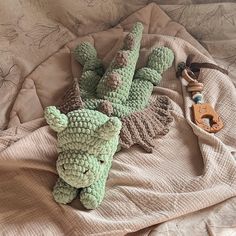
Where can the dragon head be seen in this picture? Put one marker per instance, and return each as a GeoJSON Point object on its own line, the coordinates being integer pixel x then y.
{"type": "Point", "coordinates": [87, 141]}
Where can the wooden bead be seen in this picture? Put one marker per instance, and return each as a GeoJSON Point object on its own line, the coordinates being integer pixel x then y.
{"type": "Point", "coordinates": [197, 98]}
{"type": "Point", "coordinates": [194, 86]}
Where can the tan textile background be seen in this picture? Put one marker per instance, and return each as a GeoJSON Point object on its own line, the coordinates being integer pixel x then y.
{"type": "Point", "coordinates": [189, 170]}
{"type": "Point", "coordinates": [40, 28]}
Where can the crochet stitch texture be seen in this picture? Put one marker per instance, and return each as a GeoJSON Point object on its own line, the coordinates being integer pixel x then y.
{"type": "Point", "coordinates": [88, 136]}
{"type": "Point", "coordinates": [122, 88]}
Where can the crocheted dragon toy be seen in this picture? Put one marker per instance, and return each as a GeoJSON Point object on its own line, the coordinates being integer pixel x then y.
{"type": "Point", "coordinates": [104, 112]}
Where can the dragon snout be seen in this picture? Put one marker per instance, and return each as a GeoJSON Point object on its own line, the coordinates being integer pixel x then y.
{"type": "Point", "coordinates": [77, 172]}
{"type": "Point", "coordinates": [64, 169]}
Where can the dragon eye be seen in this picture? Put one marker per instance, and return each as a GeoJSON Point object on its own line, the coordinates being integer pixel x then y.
{"type": "Point", "coordinates": [101, 161]}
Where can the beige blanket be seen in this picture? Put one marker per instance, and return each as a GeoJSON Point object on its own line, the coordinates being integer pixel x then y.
{"type": "Point", "coordinates": [189, 169]}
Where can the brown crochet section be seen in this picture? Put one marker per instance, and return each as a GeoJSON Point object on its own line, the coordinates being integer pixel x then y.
{"type": "Point", "coordinates": [113, 80]}
{"type": "Point", "coordinates": [106, 108]}
{"type": "Point", "coordinates": [121, 59]}
{"type": "Point", "coordinates": [143, 127]}
{"type": "Point", "coordinates": [129, 41]}
{"type": "Point", "coordinates": [71, 99]}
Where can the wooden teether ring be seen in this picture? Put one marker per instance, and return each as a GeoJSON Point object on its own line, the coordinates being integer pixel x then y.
{"type": "Point", "coordinates": [186, 74]}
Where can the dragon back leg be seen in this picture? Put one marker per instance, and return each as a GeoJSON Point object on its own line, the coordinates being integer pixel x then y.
{"type": "Point", "coordinates": [86, 55]}
{"type": "Point", "coordinates": [142, 86]}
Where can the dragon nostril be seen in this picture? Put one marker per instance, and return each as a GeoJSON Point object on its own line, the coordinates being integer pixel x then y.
{"type": "Point", "coordinates": [63, 167]}
{"type": "Point", "coordinates": [85, 172]}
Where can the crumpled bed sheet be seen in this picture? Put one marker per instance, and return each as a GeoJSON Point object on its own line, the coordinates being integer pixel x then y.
{"type": "Point", "coordinates": [186, 186]}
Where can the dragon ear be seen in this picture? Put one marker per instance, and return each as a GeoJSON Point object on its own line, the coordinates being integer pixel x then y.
{"type": "Point", "coordinates": [57, 121]}
{"type": "Point", "coordinates": [110, 129]}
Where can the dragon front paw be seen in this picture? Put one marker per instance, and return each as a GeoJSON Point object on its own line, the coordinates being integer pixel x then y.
{"type": "Point", "coordinates": [91, 199]}
{"type": "Point", "coordinates": [63, 192]}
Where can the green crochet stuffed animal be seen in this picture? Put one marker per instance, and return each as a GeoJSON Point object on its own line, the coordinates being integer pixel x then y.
{"type": "Point", "coordinates": [88, 137]}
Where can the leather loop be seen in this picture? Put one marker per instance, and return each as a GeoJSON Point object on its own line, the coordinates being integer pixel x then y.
{"type": "Point", "coordinates": [196, 66]}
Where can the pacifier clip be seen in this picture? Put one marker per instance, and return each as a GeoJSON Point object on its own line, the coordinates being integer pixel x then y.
{"type": "Point", "coordinates": [201, 111]}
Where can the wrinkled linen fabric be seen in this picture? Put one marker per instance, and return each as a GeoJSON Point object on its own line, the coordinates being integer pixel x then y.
{"type": "Point", "coordinates": [186, 185]}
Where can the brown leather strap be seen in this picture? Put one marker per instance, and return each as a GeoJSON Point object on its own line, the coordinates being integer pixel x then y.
{"type": "Point", "coordinates": [196, 66]}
